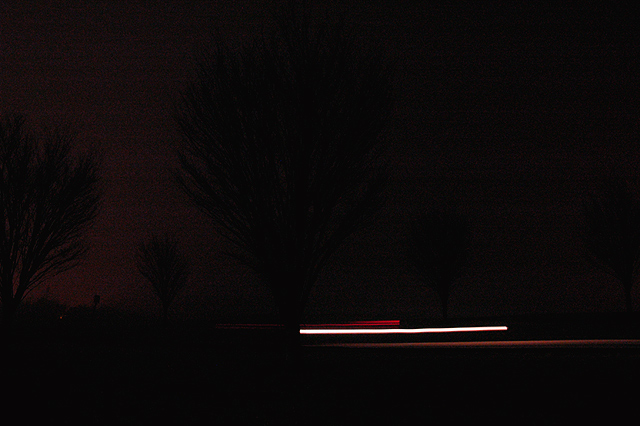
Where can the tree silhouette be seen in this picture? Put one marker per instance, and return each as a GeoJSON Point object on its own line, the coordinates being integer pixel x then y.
{"type": "Point", "coordinates": [162, 264]}
{"type": "Point", "coordinates": [280, 149]}
{"type": "Point", "coordinates": [47, 199]}
{"type": "Point", "coordinates": [612, 234]}
{"type": "Point", "coordinates": [438, 248]}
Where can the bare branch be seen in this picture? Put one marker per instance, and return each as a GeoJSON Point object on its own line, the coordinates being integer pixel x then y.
{"type": "Point", "coordinates": [49, 198]}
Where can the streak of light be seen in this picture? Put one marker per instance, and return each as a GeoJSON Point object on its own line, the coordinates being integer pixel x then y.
{"type": "Point", "coordinates": [585, 343]}
{"type": "Point", "coordinates": [401, 330]}
{"type": "Point", "coordinates": [347, 325]}
{"type": "Point", "coordinates": [355, 324]}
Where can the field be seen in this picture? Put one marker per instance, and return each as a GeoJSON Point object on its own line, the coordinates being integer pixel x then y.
{"type": "Point", "coordinates": [99, 372]}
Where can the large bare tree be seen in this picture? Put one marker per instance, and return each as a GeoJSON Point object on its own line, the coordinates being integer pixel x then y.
{"type": "Point", "coordinates": [280, 148]}
{"type": "Point", "coordinates": [48, 197]}
{"type": "Point", "coordinates": [612, 233]}
{"type": "Point", "coordinates": [160, 261]}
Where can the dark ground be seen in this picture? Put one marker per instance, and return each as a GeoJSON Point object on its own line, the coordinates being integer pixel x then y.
{"type": "Point", "coordinates": [89, 370]}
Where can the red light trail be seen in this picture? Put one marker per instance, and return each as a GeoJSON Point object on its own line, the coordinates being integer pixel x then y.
{"type": "Point", "coordinates": [341, 326]}
{"type": "Point", "coordinates": [355, 324]}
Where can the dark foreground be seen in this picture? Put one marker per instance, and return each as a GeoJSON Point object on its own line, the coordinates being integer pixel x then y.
{"type": "Point", "coordinates": [89, 374]}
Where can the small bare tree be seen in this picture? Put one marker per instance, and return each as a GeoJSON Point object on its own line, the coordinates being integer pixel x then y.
{"type": "Point", "coordinates": [47, 200]}
{"type": "Point", "coordinates": [166, 269]}
{"type": "Point", "coordinates": [439, 248]}
{"type": "Point", "coordinates": [612, 232]}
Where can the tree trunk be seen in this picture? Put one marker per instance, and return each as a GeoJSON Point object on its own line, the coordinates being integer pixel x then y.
{"type": "Point", "coordinates": [291, 322]}
{"type": "Point", "coordinates": [292, 340]}
{"type": "Point", "coordinates": [288, 300]}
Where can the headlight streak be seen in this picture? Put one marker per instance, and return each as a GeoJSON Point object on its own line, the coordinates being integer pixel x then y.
{"type": "Point", "coordinates": [401, 330]}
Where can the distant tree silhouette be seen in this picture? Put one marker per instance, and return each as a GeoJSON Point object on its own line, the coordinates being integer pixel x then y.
{"type": "Point", "coordinates": [612, 233]}
{"type": "Point", "coordinates": [47, 199]}
{"type": "Point", "coordinates": [280, 149]}
{"type": "Point", "coordinates": [162, 264]}
{"type": "Point", "coordinates": [438, 248]}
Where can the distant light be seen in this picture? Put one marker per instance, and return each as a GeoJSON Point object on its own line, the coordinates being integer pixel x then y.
{"type": "Point", "coordinates": [400, 330]}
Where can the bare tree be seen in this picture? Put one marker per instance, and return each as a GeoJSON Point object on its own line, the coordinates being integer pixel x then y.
{"type": "Point", "coordinates": [47, 200]}
{"type": "Point", "coordinates": [612, 232]}
{"type": "Point", "coordinates": [439, 248]}
{"type": "Point", "coordinates": [162, 264]}
{"type": "Point", "coordinates": [280, 144]}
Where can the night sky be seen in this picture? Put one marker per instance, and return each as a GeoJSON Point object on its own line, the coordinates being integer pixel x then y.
{"type": "Point", "coordinates": [512, 113]}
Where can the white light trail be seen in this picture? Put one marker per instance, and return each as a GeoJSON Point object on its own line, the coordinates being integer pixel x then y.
{"type": "Point", "coordinates": [402, 330]}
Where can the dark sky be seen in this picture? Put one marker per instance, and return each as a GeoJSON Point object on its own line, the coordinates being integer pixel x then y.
{"type": "Point", "coordinates": [512, 111]}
